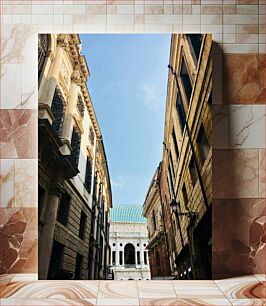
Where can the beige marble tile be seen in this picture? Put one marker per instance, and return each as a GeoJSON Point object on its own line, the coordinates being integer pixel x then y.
{"type": "Point", "coordinates": [118, 290]}
{"type": "Point", "coordinates": [154, 289]}
{"type": "Point", "coordinates": [17, 42]}
{"type": "Point", "coordinates": [197, 289]}
{"type": "Point", "coordinates": [247, 126]}
{"type": "Point", "coordinates": [25, 277]}
{"type": "Point", "coordinates": [235, 173]}
{"type": "Point", "coordinates": [19, 246]}
{"type": "Point", "coordinates": [8, 83]}
{"type": "Point", "coordinates": [18, 133]}
{"type": "Point", "coordinates": [238, 248]}
{"type": "Point", "coordinates": [240, 48]}
{"type": "Point", "coordinates": [51, 290]}
{"type": "Point", "coordinates": [5, 279]}
{"type": "Point", "coordinates": [211, 9]}
{"type": "Point", "coordinates": [248, 302]}
{"type": "Point", "coordinates": [247, 9]}
{"type": "Point", "coordinates": [245, 287]}
{"type": "Point", "coordinates": [44, 302]}
{"type": "Point", "coordinates": [240, 19]}
{"type": "Point", "coordinates": [183, 302]}
{"type": "Point", "coordinates": [260, 277]}
{"type": "Point", "coordinates": [7, 183]}
{"type": "Point", "coordinates": [247, 38]}
{"type": "Point", "coordinates": [117, 302]}
{"type": "Point", "coordinates": [26, 173]}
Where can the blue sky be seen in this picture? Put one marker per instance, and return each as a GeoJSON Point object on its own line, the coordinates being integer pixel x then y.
{"type": "Point", "coordinates": [128, 86]}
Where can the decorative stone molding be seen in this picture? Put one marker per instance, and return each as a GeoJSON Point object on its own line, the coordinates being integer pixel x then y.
{"type": "Point", "coordinates": [63, 42]}
{"type": "Point", "coordinates": [65, 73]}
{"type": "Point", "coordinates": [75, 77]}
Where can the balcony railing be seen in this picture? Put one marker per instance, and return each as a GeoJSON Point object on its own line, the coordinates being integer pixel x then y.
{"type": "Point", "coordinates": [130, 266]}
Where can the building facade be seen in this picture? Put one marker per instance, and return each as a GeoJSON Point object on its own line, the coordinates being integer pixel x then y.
{"type": "Point", "coordinates": [70, 143]}
{"type": "Point", "coordinates": [99, 255]}
{"type": "Point", "coordinates": [185, 173]}
{"type": "Point", "coordinates": [157, 246]}
{"type": "Point", "coordinates": [128, 242]}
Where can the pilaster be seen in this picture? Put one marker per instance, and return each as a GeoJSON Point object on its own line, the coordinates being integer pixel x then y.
{"type": "Point", "coordinates": [68, 121]}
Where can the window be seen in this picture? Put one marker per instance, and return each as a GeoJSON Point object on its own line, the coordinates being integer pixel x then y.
{"type": "Point", "coordinates": [58, 109]}
{"type": "Point", "coordinates": [88, 175]}
{"type": "Point", "coordinates": [121, 244]}
{"type": "Point", "coordinates": [56, 260]}
{"type": "Point", "coordinates": [80, 106]}
{"type": "Point", "coordinates": [75, 145]}
{"type": "Point", "coordinates": [63, 211]}
{"type": "Point", "coordinates": [113, 258]}
{"type": "Point", "coordinates": [79, 260]}
{"type": "Point", "coordinates": [203, 144]}
{"type": "Point", "coordinates": [195, 41]}
{"type": "Point", "coordinates": [193, 171]}
{"type": "Point", "coordinates": [171, 163]}
{"type": "Point", "coordinates": [171, 178]}
{"type": "Point", "coordinates": [180, 113]}
{"type": "Point", "coordinates": [154, 220]}
{"type": "Point", "coordinates": [169, 187]}
{"type": "Point", "coordinates": [91, 136]}
{"type": "Point", "coordinates": [120, 258]}
{"type": "Point", "coordinates": [175, 144]}
{"type": "Point", "coordinates": [113, 244]}
{"type": "Point", "coordinates": [41, 195]}
{"type": "Point", "coordinates": [145, 258]}
{"type": "Point", "coordinates": [185, 197]}
{"type": "Point", "coordinates": [43, 44]}
{"type": "Point", "coordinates": [138, 257]}
{"type": "Point", "coordinates": [82, 225]}
{"type": "Point", "coordinates": [186, 80]}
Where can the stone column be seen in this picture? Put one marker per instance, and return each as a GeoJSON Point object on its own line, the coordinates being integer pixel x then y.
{"type": "Point", "coordinates": [117, 254]}
{"type": "Point", "coordinates": [46, 93]}
{"type": "Point", "coordinates": [141, 254]}
{"type": "Point", "coordinates": [46, 237]}
{"type": "Point", "coordinates": [123, 257]}
{"type": "Point", "coordinates": [68, 120]}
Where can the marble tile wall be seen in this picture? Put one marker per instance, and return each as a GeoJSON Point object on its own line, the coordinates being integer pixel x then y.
{"type": "Point", "coordinates": [238, 28]}
{"type": "Point", "coordinates": [22, 289]}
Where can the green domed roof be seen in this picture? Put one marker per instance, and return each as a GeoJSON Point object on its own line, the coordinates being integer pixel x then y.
{"type": "Point", "coordinates": [127, 213]}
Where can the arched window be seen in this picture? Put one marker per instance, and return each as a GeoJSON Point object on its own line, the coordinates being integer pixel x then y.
{"type": "Point", "coordinates": [129, 254]}
{"type": "Point", "coordinates": [58, 109]}
{"type": "Point", "coordinates": [80, 106]}
{"type": "Point", "coordinates": [43, 45]}
{"type": "Point", "coordinates": [88, 175]}
{"type": "Point", "coordinates": [75, 144]}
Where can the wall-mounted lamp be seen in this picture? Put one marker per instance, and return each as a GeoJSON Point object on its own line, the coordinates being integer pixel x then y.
{"type": "Point", "coordinates": [175, 208]}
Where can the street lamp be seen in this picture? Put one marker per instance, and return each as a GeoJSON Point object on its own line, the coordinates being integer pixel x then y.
{"type": "Point", "coordinates": [175, 208]}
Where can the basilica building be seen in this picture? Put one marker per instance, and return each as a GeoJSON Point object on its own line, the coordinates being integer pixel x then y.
{"type": "Point", "coordinates": [128, 242]}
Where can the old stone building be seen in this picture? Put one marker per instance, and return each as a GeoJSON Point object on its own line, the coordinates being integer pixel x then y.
{"type": "Point", "coordinates": [70, 144]}
{"type": "Point", "coordinates": [128, 242]}
{"type": "Point", "coordinates": [99, 255]}
{"type": "Point", "coordinates": [185, 174]}
{"type": "Point", "coordinates": [157, 246]}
